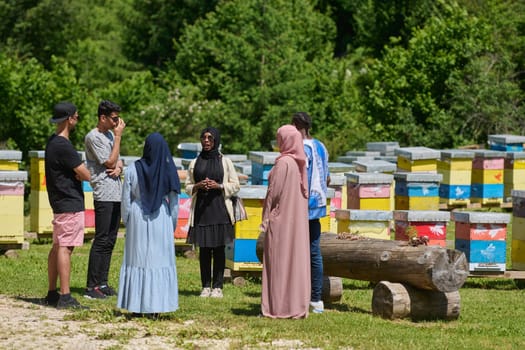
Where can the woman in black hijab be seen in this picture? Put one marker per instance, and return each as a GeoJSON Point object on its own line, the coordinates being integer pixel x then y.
{"type": "Point", "coordinates": [211, 182]}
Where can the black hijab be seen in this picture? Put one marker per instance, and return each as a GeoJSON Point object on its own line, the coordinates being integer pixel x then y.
{"type": "Point", "coordinates": [156, 172]}
{"type": "Point", "coordinates": [209, 163]}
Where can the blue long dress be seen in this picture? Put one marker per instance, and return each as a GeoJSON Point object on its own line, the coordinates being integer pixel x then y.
{"type": "Point", "coordinates": [148, 275]}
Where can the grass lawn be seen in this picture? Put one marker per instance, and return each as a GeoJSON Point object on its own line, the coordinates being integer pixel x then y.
{"type": "Point", "coordinates": [492, 311]}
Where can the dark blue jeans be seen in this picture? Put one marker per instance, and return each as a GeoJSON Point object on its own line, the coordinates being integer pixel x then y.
{"type": "Point", "coordinates": [107, 222]}
{"type": "Point", "coordinates": [316, 260]}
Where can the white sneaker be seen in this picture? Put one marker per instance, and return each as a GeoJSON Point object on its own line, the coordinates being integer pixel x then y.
{"type": "Point", "coordinates": [216, 293]}
{"type": "Point", "coordinates": [317, 307]}
{"type": "Point", "coordinates": [206, 292]}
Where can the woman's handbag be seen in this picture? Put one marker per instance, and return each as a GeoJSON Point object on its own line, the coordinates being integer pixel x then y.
{"type": "Point", "coordinates": [239, 212]}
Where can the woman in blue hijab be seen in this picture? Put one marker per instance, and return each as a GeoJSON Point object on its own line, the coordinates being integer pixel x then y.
{"type": "Point", "coordinates": [148, 276]}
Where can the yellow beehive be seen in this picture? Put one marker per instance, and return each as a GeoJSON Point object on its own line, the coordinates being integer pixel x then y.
{"type": "Point", "coordinates": [518, 228]}
{"type": "Point", "coordinates": [10, 160]}
{"type": "Point", "coordinates": [419, 165]}
{"type": "Point", "coordinates": [253, 200]}
{"type": "Point", "coordinates": [456, 177]}
{"type": "Point", "coordinates": [12, 206]}
{"type": "Point", "coordinates": [9, 165]}
{"type": "Point", "coordinates": [243, 266]}
{"type": "Point", "coordinates": [367, 223]}
{"type": "Point", "coordinates": [486, 201]}
{"type": "Point", "coordinates": [487, 176]}
{"type": "Point", "coordinates": [88, 200]}
{"type": "Point", "coordinates": [417, 203]}
{"type": "Point", "coordinates": [381, 203]}
{"type": "Point", "coordinates": [454, 202]}
{"type": "Point", "coordinates": [518, 253]}
{"type": "Point", "coordinates": [454, 164]}
{"type": "Point", "coordinates": [41, 214]}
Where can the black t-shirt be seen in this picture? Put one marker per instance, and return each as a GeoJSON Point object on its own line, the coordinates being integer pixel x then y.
{"type": "Point", "coordinates": [63, 189]}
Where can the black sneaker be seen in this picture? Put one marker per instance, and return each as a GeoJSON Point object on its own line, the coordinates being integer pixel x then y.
{"type": "Point", "coordinates": [68, 302]}
{"type": "Point", "coordinates": [107, 290]}
{"type": "Point", "coordinates": [94, 293]}
{"type": "Point", "coordinates": [51, 298]}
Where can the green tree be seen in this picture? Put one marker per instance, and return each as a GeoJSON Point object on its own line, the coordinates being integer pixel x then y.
{"type": "Point", "coordinates": [405, 94]}
{"type": "Point", "coordinates": [28, 92]}
{"type": "Point", "coordinates": [260, 61]}
{"type": "Point", "coordinates": [152, 26]}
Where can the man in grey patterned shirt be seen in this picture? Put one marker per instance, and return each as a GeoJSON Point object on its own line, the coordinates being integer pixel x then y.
{"type": "Point", "coordinates": [102, 156]}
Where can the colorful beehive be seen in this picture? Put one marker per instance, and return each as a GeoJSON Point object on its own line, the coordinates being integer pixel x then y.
{"type": "Point", "coordinates": [419, 223]}
{"type": "Point", "coordinates": [244, 168]}
{"type": "Point", "coordinates": [181, 231]}
{"type": "Point", "coordinates": [127, 160]}
{"type": "Point", "coordinates": [482, 237]}
{"type": "Point", "coordinates": [352, 156]}
{"type": "Point", "coordinates": [417, 191]}
{"type": "Point", "coordinates": [507, 143]}
{"type": "Point", "coordinates": [189, 150]}
{"type": "Point", "coordinates": [417, 159]}
{"type": "Point", "coordinates": [352, 159]}
{"type": "Point", "coordinates": [12, 206]}
{"type": "Point", "coordinates": [384, 148]}
{"type": "Point", "coordinates": [41, 214]}
{"type": "Point", "coordinates": [517, 251]}
{"type": "Point", "coordinates": [487, 177]}
{"type": "Point", "coordinates": [262, 163]}
{"type": "Point", "coordinates": [338, 184]}
{"type": "Point", "coordinates": [456, 168]}
{"type": "Point", "coordinates": [237, 158]}
{"type": "Point", "coordinates": [326, 224]}
{"type": "Point", "coordinates": [378, 166]}
{"type": "Point", "coordinates": [374, 166]}
{"type": "Point", "coordinates": [369, 191]}
{"type": "Point", "coordinates": [367, 223]}
{"type": "Point", "coordinates": [10, 160]}
{"type": "Point", "coordinates": [89, 213]}
{"type": "Point", "coordinates": [513, 173]}
{"type": "Point", "coordinates": [340, 168]}
{"type": "Point", "coordinates": [240, 254]}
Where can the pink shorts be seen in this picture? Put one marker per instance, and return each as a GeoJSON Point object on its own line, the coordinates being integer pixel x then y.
{"type": "Point", "coordinates": [68, 229]}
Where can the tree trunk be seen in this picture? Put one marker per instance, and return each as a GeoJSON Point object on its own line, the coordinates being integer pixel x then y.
{"type": "Point", "coordinates": [423, 267]}
{"type": "Point", "coordinates": [396, 300]}
{"type": "Point", "coordinates": [332, 289]}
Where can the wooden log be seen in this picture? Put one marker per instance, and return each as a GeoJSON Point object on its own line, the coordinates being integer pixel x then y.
{"type": "Point", "coordinates": [332, 289]}
{"type": "Point", "coordinates": [374, 260]}
{"type": "Point", "coordinates": [396, 300]}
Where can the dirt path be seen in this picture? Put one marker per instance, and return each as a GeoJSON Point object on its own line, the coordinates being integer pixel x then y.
{"type": "Point", "coordinates": [24, 324]}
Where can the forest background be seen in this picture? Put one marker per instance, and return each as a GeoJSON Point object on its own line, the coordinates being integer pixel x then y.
{"type": "Point", "coordinates": [434, 73]}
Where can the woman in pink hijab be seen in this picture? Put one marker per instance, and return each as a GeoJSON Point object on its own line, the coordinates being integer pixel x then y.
{"type": "Point", "coordinates": [286, 258]}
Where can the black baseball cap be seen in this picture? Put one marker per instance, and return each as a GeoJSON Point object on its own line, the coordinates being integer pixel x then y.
{"type": "Point", "coordinates": [62, 111]}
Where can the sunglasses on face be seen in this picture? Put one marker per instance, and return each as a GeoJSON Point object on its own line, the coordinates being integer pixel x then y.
{"type": "Point", "coordinates": [113, 118]}
{"type": "Point", "coordinates": [207, 137]}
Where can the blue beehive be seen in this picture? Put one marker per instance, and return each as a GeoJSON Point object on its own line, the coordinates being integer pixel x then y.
{"type": "Point", "coordinates": [507, 143]}
{"type": "Point", "coordinates": [262, 163]}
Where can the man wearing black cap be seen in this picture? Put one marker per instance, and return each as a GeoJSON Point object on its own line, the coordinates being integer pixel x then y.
{"type": "Point", "coordinates": [102, 158]}
{"type": "Point", "coordinates": [64, 171]}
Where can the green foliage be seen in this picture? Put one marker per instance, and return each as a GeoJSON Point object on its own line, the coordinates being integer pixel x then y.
{"type": "Point", "coordinates": [262, 62]}
{"type": "Point", "coordinates": [152, 26]}
{"type": "Point", "coordinates": [406, 92]}
{"type": "Point", "coordinates": [28, 94]}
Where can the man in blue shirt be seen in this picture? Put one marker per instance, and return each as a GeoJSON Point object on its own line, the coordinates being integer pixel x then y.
{"type": "Point", "coordinates": [318, 180]}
